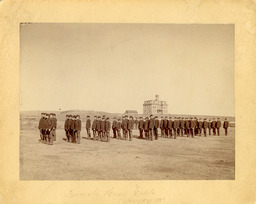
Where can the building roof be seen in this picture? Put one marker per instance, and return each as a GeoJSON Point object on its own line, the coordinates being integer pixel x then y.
{"type": "Point", "coordinates": [131, 111]}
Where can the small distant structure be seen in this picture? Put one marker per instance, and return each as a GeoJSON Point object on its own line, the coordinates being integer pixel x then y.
{"type": "Point", "coordinates": [131, 112]}
{"type": "Point", "coordinates": [155, 106]}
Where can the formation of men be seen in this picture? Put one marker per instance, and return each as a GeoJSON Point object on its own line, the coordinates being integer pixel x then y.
{"type": "Point", "coordinates": [123, 127]}
{"type": "Point", "coordinates": [47, 128]}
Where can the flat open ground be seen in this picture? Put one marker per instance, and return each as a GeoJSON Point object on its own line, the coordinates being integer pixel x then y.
{"type": "Point", "coordinates": [211, 157]}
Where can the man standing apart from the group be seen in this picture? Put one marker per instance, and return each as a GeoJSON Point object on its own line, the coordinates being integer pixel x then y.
{"type": "Point", "coordinates": [157, 124]}
{"type": "Point", "coordinates": [119, 124]}
{"type": "Point", "coordinates": [88, 127]}
{"type": "Point", "coordinates": [77, 129]}
{"type": "Point", "coordinates": [94, 127]}
{"type": "Point", "coordinates": [141, 126]}
{"type": "Point", "coordinates": [114, 127]}
{"type": "Point", "coordinates": [107, 129]}
{"type": "Point", "coordinates": [99, 128]}
{"type": "Point", "coordinates": [151, 127]}
{"type": "Point", "coordinates": [214, 127]}
{"type": "Point", "coordinates": [225, 126]}
{"type": "Point", "coordinates": [218, 125]}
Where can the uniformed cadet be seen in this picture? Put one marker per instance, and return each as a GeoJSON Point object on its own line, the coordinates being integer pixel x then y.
{"type": "Point", "coordinates": [125, 127]}
{"type": "Point", "coordinates": [175, 125]}
{"type": "Point", "coordinates": [187, 126]}
{"type": "Point", "coordinates": [119, 124]}
{"type": "Point", "coordinates": [146, 125]}
{"type": "Point", "coordinates": [205, 126]}
{"type": "Point", "coordinates": [130, 127]}
{"type": "Point", "coordinates": [77, 129]}
{"type": "Point", "coordinates": [192, 127]}
{"type": "Point", "coordinates": [114, 127]}
{"type": "Point", "coordinates": [166, 130]}
{"type": "Point", "coordinates": [98, 125]}
{"type": "Point", "coordinates": [141, 126]}
{"type": "Point", "coordinates": [182, 125]}
{"type": "Point", "coordinates": [196, 125]}
{"type": "Point", "coordinates": [51, 126]}
{"type": "Point", "coordinates": [225, 126]}
{"type": "Point", "coordinates": [214, 126]}
{"type": "Point", "coordinates": [218, 125]}
{"type": "Point", "coordinates": [136, 122]}
{"type": "Point", "coordinates": [107, 129]}
{"type": "Point", "coordinates": [40, 127]}
{"type": "Point", "coordinates": [178, 126]}
{"type": "Point", "coordinates": [210, 126]}
{"type": "Point", "coordinates": [170, 126]}
{"type": "Point", "coordinates": [94, 128]}
{"type": "Point", "coordinates": [43, 125]}
{"type": "Point", "coordinates": [151, 127]}
{"type": "Point", "coordinates": [162, 126]}
{"type": "Point", "coordinates": [88, 127]}
{"type": "Point", "coordinates": [199, 127]}
{"type": "Point", "coordinates": [66, 127]}
{"type": "Point", "coordinates": [157, 125]}
{"type": "Point", "coordinates": [103, 128]}
{"type": "Point", "coordinates": [72, 129]}
{"type": "Point", "coordinates": [48, 130]}
{"type": "Point", "coordinates": [54, 126]}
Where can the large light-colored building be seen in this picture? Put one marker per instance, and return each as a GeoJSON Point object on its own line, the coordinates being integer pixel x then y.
{"type": "Point", "coordinates": [155, 106]}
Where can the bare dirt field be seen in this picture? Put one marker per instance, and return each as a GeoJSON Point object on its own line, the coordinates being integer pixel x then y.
{"type": "Point", "coordinates": [207, 158]}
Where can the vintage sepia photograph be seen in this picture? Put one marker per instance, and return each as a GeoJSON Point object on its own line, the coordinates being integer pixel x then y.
{"type": "Point", "coordinates": [127, 101]}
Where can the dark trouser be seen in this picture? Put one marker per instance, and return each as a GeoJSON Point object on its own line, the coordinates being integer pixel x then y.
{"type": "Point", "coordinates": [226, 131]}
{"type": "Point", "coordinates": [162, 132]}
{"type": "Point", "coordinates": [146, 134]}
{"type": "Point", "coordinates": [119, 133]}
{"type": "Point", "coordinates": [156, 133]}
{"type": "Point", "coordinates": [170, 132]}
{"type": "Point", "coordinates": [77, 136]}
{"type": "Point", "coordinates": [67, 135]}
{"type": "Point", "coordinates": [41, 135]}
{"type": "Point", "coordinates": [178, 131]}
{"type": "Point", "coordinates": [73, 136]}
{"type": "Point", "coordinates": [130, 135]}
{"type": "Point", "coordinates": [181, 131]}
{"type": "Point", "coordinates": [94, 132]}
{"type": "Point", "coordinates": [209, 131]}
{"type": "Point", "coordinates": [99, 135]}
{"type": "Point", "coordinates": [205, 132]}
{"type": "Point", "coordinates": [214, 131]}
{"type": "Point", "coordinates": [218, 131]}
{"type": "Point", "coordinates": [187, 131]}
{"type": "Point", "coordinates": [54, 134]}
{"type": "Point", "coordinates": [50, 138]}
{"type": "Point", "coordinates": [166, 132]}
{"type": "Point", "coordinates": [125, 134]}
{"type": "Point", "coordinates": [199, 131]}
{"type": "Point", "coordinates": [151, 134]}
{"type": "Point", "coordinates": [174, 132]}
{"type": "Point", "coordinates": [88, 131]}
{"type": "Point", "coordinates": [107, 133]}
{"type": "Point", "coordinates": [103, 134]}
{"type": "Point", "coordinates": [141, 133]}
{"type": "Point", "coordinates": [192, 132]}
{"type": "Point", "coordinates": [114, 132]}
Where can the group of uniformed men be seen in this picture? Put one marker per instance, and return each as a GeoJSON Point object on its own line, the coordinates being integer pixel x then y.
{"type": "Point", "coordinates": [47, 128]}
{"type": "Point", "coordinates": [148, 127]}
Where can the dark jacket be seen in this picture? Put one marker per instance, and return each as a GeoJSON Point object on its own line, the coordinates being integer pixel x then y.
{"type": "Point", "coordinates": [88, 124]}
{"type": "Point", "coordinates": [151, 123]}
{"type": "Point", "coordinates": [157, 123]}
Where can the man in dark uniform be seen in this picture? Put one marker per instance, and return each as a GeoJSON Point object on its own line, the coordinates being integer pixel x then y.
{"type": "Point", "coordinates": [125, 127]}
{"type": "Point", "coordinates": [146, 125]}
{"type": "Point", "coordinates": [205, 126]}
{"type": "Point", "coordinates": [40, 127]}
{"type": "Point", "coordinates": [119, 124]}
{"type": "Point", "coordinates": [187, 126]}
{"type": "Point", "coordinates": [166, 126]}
{"type": "Point", "coordinates": [103, 128]}
{"type": "Point", "coordinates": [178, 126]}
{"type": "Point", "coordinates": [98, 125]}
{"type": "Point", "coordinates": [66, 127]}
{"type": "Point", "coordinates": [225, 126]}
{"type": "Point", "coordinates": [77, 129]}
{"type": "Point", "coordinates": [72, 129]}
{"type": "Point", "coordinates": [141, 126]}
{"type": "Point", "coordinates": [54, 126]}
{"type": "Point", "coordinates": [88, 127]}
{"type": "Point", "coordinates": [218, 125]}
{"type": "Point", "coordinates": [182, 125]}
{"type": "Point", "coordinates": [69, 128]}
{"type": "Point", "coordinates": [192, 127]}
{"type": "Point", "coordinates": [151, 127]}
{"type": "Point", "coordinates": [175, 125]}
{"type": "Point", "coordinates": [136, 122]}
{"type": "Point", "coordinates": [196, 126]}
{"type": "Point", "coordinates": [157, 125]}
{"type": "Point", "coordinates": [214, 127]}
{"type": "Point", "coordinates": [49, 126]}
{"type": "Point", "coordinates": [107, 129]}
{"type": "Point", "coordinates": [199, 127]}
{"type": "Point", "coordinates": [162, 126]}
{"type": "Point", "coordinates": [210, 126]}
{"type": "Point", "coordinates": [170, 126]}
{"type": "Point", "coordinates": [114, 127]}
{"type": "Point", "coordinates": [130, 127]}
{"type": "Point", "coordinates": [94, 127]}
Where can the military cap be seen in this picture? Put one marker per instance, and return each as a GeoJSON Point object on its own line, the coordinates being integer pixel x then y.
{"type": "Point", "coordinates": [78, 116]}
{"type": "Point", "coordinates": [99, 117]}
{"type": "Point", "coordinates": [225, 118]}
{"type": "Point", "coordinates": [42, 113]}
{"type": "Point", "coordinates": [182, 118]}
{"type": "Point", "coordinates": [119, 118]}
{"type": "Point", "coordinates": [67, 115]}
{"type": "Point", "coordinates": [166, 117]}
{"type": "Point", "coordinates": [103, 116]}
{"type": "Point", "coordinates": [218, 118]}
{"type": "Point", "coordinates": [107, 118]}
{"type": "Point", "coordinates": [140, 117]}
{"type": "Point", "coordinates": [54, 114]}
{"type": "Point", "coordinates": [147, 118]}
{"type": "Point", "coordinates": [150, 115]}
{"type": "Point", "coordinates": [114, 118]}
{"type": "Point", "coordinates": [205, 119]}
{"type": "Point", "coordinates": [88, 116]}
{"type": "Point", "coordinates": [162, 116]}
{"type": "Point", "coordinates": [126, 116]}
{"type": "Point", "coordinates": [131, 116]}
{"type": "Point", "coordinates": [156, 117]}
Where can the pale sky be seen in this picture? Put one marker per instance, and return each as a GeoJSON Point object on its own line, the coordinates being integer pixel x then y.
{"type": "Point", "coordinates": [116, 67]}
